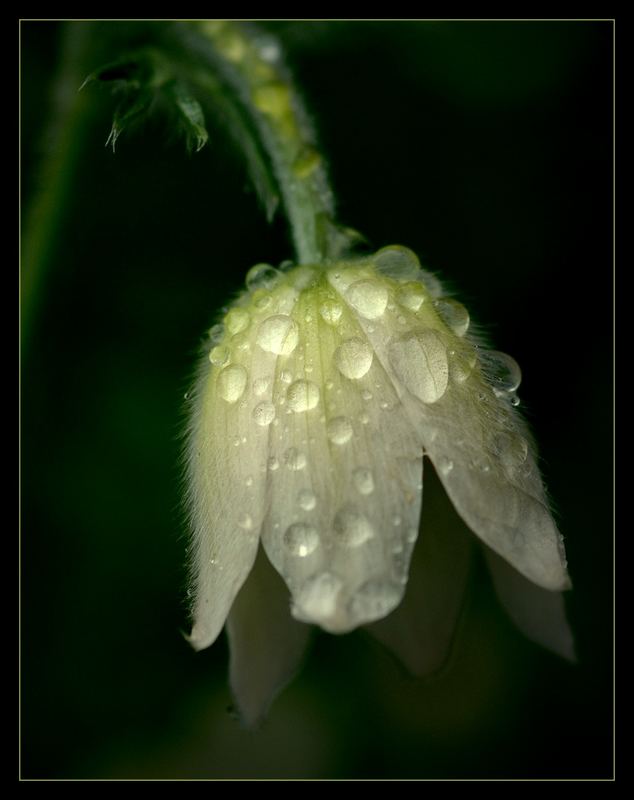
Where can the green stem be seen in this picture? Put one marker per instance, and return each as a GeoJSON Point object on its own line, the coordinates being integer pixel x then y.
{"type": "Point", "coordinates": [250, 64]}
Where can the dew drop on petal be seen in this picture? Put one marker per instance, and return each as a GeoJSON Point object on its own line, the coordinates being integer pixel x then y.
{"type": "Point", "coordinates": [237, 320]}
{"type": "Point", "coordinates": [503, 371]}
{"type": "Point", "coordinates": [411, 295]}
{"type": "Point", "coordinates": [286, 376]}
{"type": "Point", "coordinates": [294, 459]}
{"type": "Point", "coordinates": [260, 385]}
{"type": "Point", "coordinates": [445, 465]}
{"type": "Point", "coordinates": [375, 599]}
{"type": "Point", "coordinates": [331, 311]}
{"type": "Point", "coordinates": [232, 381]}
{"type": "Point", "coordinates": [397, 262]}
{"type": "Point", "coordinates": [216, 332]}
{"type": "Point", "coordinates": [339, 430]}
{"type": "Point", "coordinates": [302, 396]}
{"type": "Point", "coordinates": [317, 598]}
{"type": "Point", "coordinates": [262, 276]}
{"type": "Point", "coordinates": [454, 314]}
{"type": "Point", "coordinates": [368, 297]}
{"type": "Point", "coordinates": [273, 464]}
{"type": "Point", "coordinates": [351, 528]}
{"type": "Point", "coordinates": [278, 334]}
{"type": "Point", "coordinates": [306, 499]}
{"type": "Point", "coordinates": [246, 522]}
{"type": "Point", "coordinates": [301, 539]}
{"type": "Point", "coordinates": [363, 480]}
{"type": "Point", "coordinates": [353, 358]}
{"type": "Point", "coordinates": [420, 361]}
{"type": "Point", "coordinates": [219, 355]}
{"type": "Point", "coordinates": [264, 413]}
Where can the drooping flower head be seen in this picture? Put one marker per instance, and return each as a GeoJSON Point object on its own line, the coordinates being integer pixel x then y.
{"type": "Point", "coordinates": [321, 392]}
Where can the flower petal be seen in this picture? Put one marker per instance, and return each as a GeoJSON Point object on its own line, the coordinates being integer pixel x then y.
{"type": "Point", "coordinates": [266, 643]}
{"type": "Point", "coordinates": [473, 435]}
{"type": "Point", "coordinates": [421, 629]}
{"type": "Point", "coordinates": [343, 488]}
{"type": "Point", "coordinates": [540, 614]}
{"type": "Point", "coordinates": [228, 449]}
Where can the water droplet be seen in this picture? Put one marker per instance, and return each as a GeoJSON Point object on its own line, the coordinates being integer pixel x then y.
{"type": "Point", "coordinates": [420, 361]}
{"type": "Point", "coordinates": [434, 286]}
{"type": "Point", "coordinates": [454, 314]}
{"type": "Point", "coordinates": [339, 430]}
{"type": "Point", "coordinates": [368, 297]}
{"type": "Point", "coordinates": [397, 262]}
{"type": "Point", "coordinates": [318, 597]}
{"type": "Point", "coordinates": [273, 464]}
{"type": "Point", "coordinates": [215, 334]}
{"type": "Point", "coordinates": [301, 539]}
{"type": "Point", "coordinates": [503, 371]}
{"type": "Point", "coordinates": [286, 376]}
{"type": "Point", "coordinates": [375, 599]}
{"type": "Point", "coordinates": [246, 522]}
{"type": "Point", "coordinates": [514, 399]}
{"type": "Point", "coordinates": [352, 528]}
{"type": "Point", "coordinates": [331, 311]}
{"type": "Point", "coordinates": [263, 276]}
{"type": "Point", "coordinates": [445, 465]}
{"type": "Point", "coordinates": [306, 499]}
{"type": "Point", "coordinates": [219, 355]}
{"type": "Point", "coordinates": [411, 295]}
{"type": "Point", "coordinates": [366, 395]}
{"type": "Point", "coordinates": [363, 480]}
{"type": "Point", "coordinates": [294, 460]}
{"type": "Point", "coordinates": [461, 364]}
{"type": "Point", "coordinates": [302, 396]}
{"type": "Point", "coordinates": [232, 382]}
{"type": "Point", "coordinates": [260, 385]}
{"type": "Point", "coordinates": [364, 418]}
{"type": "Point", "coordinates": [353, 358]}
{"type": "Point", "coordinates": [237, 320]}
{"type": "Point", "coordinates": [264, 413]}
{"type": "Point", "coordinates": [278, 334]}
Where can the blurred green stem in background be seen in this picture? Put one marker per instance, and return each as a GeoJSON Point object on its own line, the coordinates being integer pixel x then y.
{"type": "Point", "coordinates": [68, 120]}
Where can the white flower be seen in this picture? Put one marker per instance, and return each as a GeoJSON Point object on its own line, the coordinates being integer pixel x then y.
{"type": "Point", "coordinates": [320, 395]}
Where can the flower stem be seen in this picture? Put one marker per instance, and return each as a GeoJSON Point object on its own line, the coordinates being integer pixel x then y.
{"type": "Point", "coordinates": [250, 63]}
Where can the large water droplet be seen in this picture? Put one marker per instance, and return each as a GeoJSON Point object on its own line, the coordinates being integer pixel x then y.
{"type": "Point", "coordinates": [411, 295]}
{"type": "Point", "coordinates": [219, 355]}
{"type": "Point", "coordinates": [397, 262]}
{"type": "Point", "coordinates": [301, 539]}
{"type": "Point", "coordinates": [368, 297]}
{"type": "Point", "coordinates": [317, 599]}
{"type": "Point", "coordinates": [503, 372]}
{"type": "Point", "coordinates": [420, 362]}
{"type": "Point", "coordinates": [302, 396]}
{"type": "Point", "coordinates": [375, 599]}
{"type": "Point", "coordinates": [434, 286]}
{"type": "Point", "coordinates": [353, 358]}
{"type": "Point", "coordinates": [278, 334]}
{"type": "Point", "coordinates": [454, 314]}
{"type": "Point", "coordinates": [306, 499]}
{"type": "Point", "coordinates": [264, 413]}
{"type": "Point", "coordinates": [232, 382]}
{"type": "Point", "coordinates": [331, 311]}
{"type": "Point", "coordinates": [262, 276]}
{"type": "Point", "coordinates": [363, 480]}
{"type": "Point", "coordinates": [339, 430]}
{"type": "Point", "coordinates": [237, 320]}
{"type": "Point", "coordinates": [352, 529]}
{"type": "Point", "coordinates": [294, 459]}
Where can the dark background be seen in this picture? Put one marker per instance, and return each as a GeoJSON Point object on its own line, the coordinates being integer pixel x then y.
{"type": "Point", "coordinates": [485, 147]}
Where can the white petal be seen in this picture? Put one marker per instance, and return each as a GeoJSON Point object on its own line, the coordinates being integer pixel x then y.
{"type": "Point", "coordinates": [420, 631]}
{"type": "Point", "coordinates": [538, 613]}
{"type": "Point", "coordinates": [227, 460]}
{"type": "Point", "coordinates": [266, 644]}
{"type": "Point", "coordinates": [344, 504]}
{"type": "Point", "coordinates": [475, 438]}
